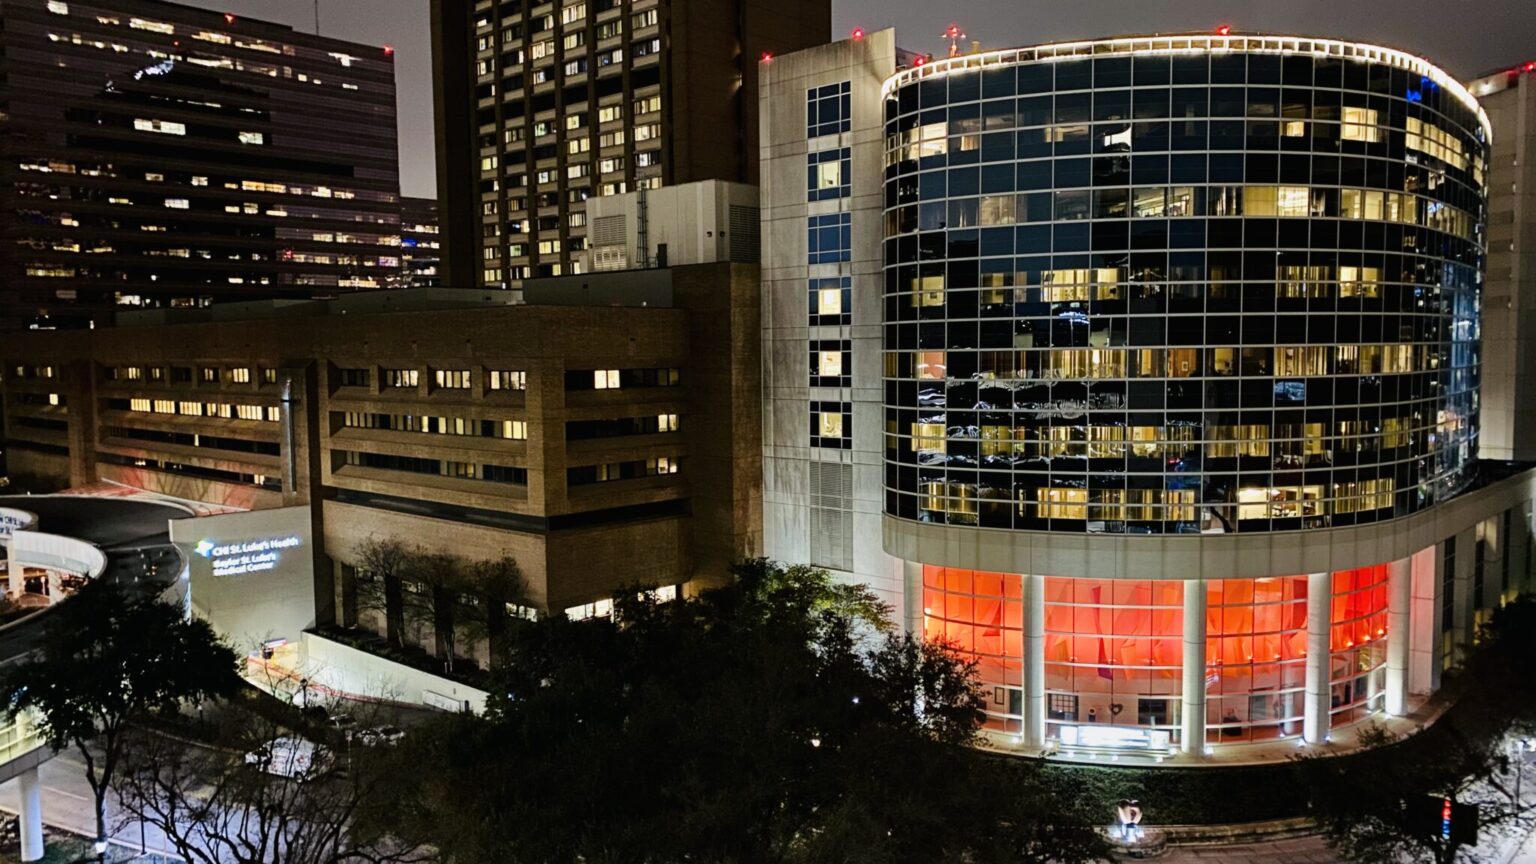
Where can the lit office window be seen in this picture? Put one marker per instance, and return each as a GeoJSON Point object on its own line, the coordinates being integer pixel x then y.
{"type": "Point", "coordinates": [164, 127]}
{"type": "Point", "coordinates": [832, 425]}
{"type": "Point", "coordinates": [1361, 124]}
{"type": "Point", "coordinates": [507, 379]}
{"type": "Point", "coordinates": [827, 175]}
{"type": "Point", "coordinates": [452, 379]}
{"type": "Point", "coordinates": [830, 301]}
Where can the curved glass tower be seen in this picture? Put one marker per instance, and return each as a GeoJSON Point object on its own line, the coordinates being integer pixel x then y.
{"type": "Point", "coordinates": [1200, 285]}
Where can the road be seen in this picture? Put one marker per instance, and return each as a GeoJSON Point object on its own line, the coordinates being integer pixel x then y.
{"type": "Point", "coordinates": [133, 534]}
{"type": "Point", "coordinates": [68, 804]}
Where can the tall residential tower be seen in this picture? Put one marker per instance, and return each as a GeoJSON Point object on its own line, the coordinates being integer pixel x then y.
{"type": "Point", "coordinates": [542, 106]}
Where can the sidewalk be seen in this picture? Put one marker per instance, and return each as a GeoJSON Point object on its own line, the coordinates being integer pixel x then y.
{"type": "Point", "coordinates": [1423, 713]}
{"type": "Point", "coordinates": [1514, 843]}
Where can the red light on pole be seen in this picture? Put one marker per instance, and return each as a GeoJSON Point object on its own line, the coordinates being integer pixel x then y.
{"type": "Point", "coordinates": [920, 60]}
{"type": "Point", "coordinates": [1224, 30]}
{"type": "Point", "coordinates": [858, 34]}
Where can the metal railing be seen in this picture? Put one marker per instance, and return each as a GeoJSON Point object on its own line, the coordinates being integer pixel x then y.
{"type": "Point", "coordinates": [18, 737]}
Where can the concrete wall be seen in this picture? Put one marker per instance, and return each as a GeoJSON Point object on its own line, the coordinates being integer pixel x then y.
{"type": "Point", "coordinates": [848, 480]}
{"type": "Point", "coordinates": [692, 220]}
{"type": "Point", "coordinates": [1509, 294]}
{"type": "Point", "coordinates": [274, 598]}
{"type": "Point", "coordinates": [351, 672]}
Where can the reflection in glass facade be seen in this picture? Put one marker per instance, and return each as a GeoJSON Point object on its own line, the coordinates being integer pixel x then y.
{"type": "Point", "coordinates": [1180, 291]}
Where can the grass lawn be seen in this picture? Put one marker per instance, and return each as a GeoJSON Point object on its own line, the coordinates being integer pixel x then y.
{"type": "Point", "coordinates": [63, 848]}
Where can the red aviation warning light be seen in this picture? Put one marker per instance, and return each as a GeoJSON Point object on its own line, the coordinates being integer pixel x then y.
{"type": "Point", "coordinates": [389, 50]}
{"type": "Point", "coordinates": [766, 58]}
{"type": "Point", "coordinates": [1224, 30]}
{"type": "Point", "coordinates": [955, 36]}
{"type": "Point", "coordinates": [858, 34]}
{"type": "Point", "coordinates": [229, 17]}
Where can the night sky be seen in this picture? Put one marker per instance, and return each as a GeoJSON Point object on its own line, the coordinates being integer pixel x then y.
{"type": "Point", "coordinates": [1468, 37]}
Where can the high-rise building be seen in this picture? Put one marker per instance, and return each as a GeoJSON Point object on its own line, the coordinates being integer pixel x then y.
{"type": "Point", "coordinates": [1153, 365]}
{"type": "Point", "coordinates": [1509, 330]}
{"type": "Point", "coordinates": [542, 106]}
{"type": "Point", "coordinates": [420, 246]}
{"type": "Point", "coordinates": [154, 154]}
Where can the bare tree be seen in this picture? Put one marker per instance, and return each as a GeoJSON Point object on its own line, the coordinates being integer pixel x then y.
{"type": "Point", "coordinates": [437, 577]}
{"type": "Point", "coordinates": [497, 584]}
{"type": "Point", "coordinates": [107, 661]}
{"type": "Point", "coordinates": [381, 565]}
{"type": "Point", "coordinates": [213, 808]}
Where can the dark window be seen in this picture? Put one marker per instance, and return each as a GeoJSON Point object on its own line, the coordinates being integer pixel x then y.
{"type": "Point", "coordinates": [829, 238]}
{"type": "Point", "coordinates": [827, 109]}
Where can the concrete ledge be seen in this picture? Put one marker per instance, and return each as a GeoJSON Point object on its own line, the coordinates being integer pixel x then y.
{"type": "Point", "coordinates": [1242, 832]}
{"type": "Point", "coordinates": [1259, 555]}
{"type": "Point", "coordinates": [25, 762]}
{"type": "Point", "coordinates": [355, 673]}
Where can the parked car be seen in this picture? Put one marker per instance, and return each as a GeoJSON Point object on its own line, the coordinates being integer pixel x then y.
{"type": "Point", "coordinates": [381, 736]}
{"type": "Point", "coordinates": [295, 758]}
{"type": "Point", "coordinates": [341, 722]}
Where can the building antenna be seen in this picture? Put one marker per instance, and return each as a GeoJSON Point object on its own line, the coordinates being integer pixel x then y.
{"type": "Point", "coordinates": [953, 34]}
{"type": "Point", "coordinates": [317, 17]}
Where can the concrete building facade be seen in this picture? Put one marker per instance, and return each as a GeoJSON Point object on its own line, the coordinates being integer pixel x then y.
{"type": "Point", "coordinates": [1509, 346]}
{"type": "Point", "coordinates": [822, 147]}
{"type": "Point", "coordinates": [567, 438]}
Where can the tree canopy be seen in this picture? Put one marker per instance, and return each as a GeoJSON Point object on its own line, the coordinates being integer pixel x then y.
{"type": "Point", "coordinates": [777, 719]}
{"type": "Point", "coordinates": [1366, 801]}
{"type": "Point", "coordinates": [106, 660]}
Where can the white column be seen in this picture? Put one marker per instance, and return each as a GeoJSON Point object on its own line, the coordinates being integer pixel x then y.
{"type": "Point", "coordinates": [1192, 714]}
{"type": "Point", "coordinates": [55, 586]}
{"type": "Point", "coordinates": [31, 815]}
{"type": "Point", "coordinates": [1034, 660]}
{"type": "Point", "coordinates": [1399, 634]}
{"type": "Point", "coordinates": [14, 584]}
{"type": "Point", "coordinates": [912, 597]}
{"type": "Point", "coordinates": [1463, 610]}
{"type": "Point", "coordinates": [1319, 696]}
